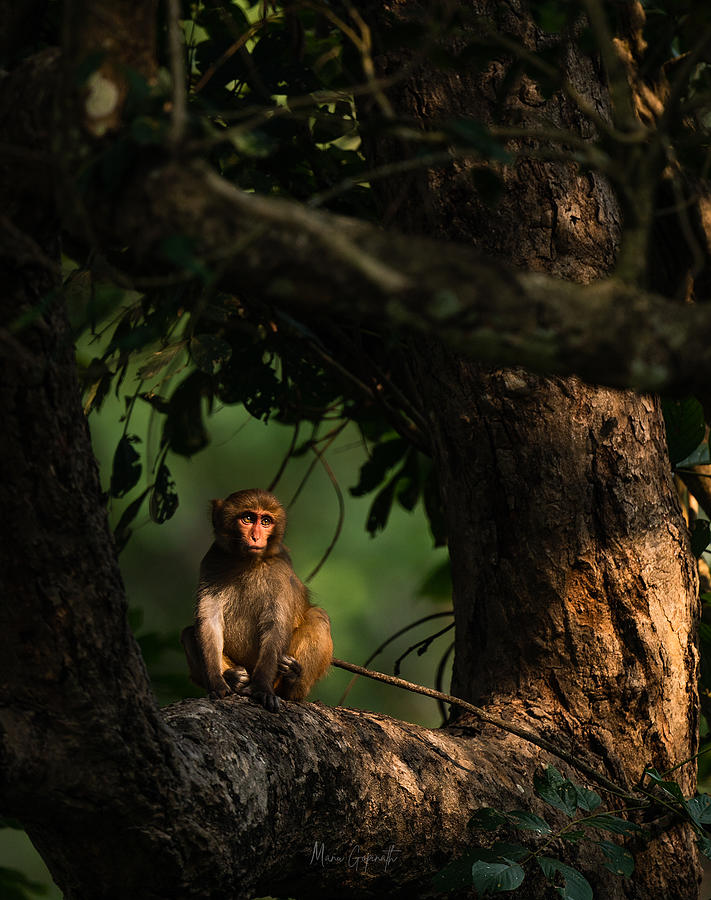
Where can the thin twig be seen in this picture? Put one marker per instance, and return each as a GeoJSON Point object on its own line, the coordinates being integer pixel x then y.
{"type": "Point", "coordinates": [439, 675]}
{"type": "Point", "coordinates": [681, 79]}
{"type": "Point", "coordinates": [285, 461]}
{"type": "Point", "coordinates": [341, 509]}
{"type": "Point", "coordinates": [179, 114]}
{"type": "Point", "coordinates": [526, 735]}
{"type": "Point", "coordinates": [385, 171]}
{"type": "Point", "coordinates": [331, 436]}
{"type": "Point", "coordinates": [393, 637]}
{"type": "Point", "coordinates": [421, 646]}
{"type": "Point", "coordinates": [260, 113]}
{"type": "Point", "coordinates": [367, 61]}
{"type": "Point", "coordinates": [285, 214]}
{"type": "Point", "coordinates": [232, 49]}
{"type": "Point", "coordinates": [620, 91]}
{"type": "Point", "coordinates": [414, 429]}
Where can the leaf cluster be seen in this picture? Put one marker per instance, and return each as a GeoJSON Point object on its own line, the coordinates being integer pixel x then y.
{"type": "Point", "coordinates": [413, 479]}
{"type": "Point", "coordinates": [274, 95]}
{"type": "Point", "coordinates": [502, 867]}
{"type": "Point", "coordinates": [271, 98]}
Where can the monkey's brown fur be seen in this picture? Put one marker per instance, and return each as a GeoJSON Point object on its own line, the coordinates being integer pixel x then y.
{"type": "Point", "coordinates": [255, 631]}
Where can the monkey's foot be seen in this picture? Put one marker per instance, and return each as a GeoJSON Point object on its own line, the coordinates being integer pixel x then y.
{"type": "Point", "coordinates": [265, 696]}
{"type": "Point", "coordinates": [289, 668]}
{"type": "Point", "coordinates": [237, 677]}
{"type": "Point", "coordinates": [218, 690]}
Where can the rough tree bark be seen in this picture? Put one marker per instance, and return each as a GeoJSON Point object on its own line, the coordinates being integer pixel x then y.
{"type": "Point", "coordinates": [574, 590]}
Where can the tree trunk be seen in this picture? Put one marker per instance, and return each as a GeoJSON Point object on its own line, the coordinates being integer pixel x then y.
{"type": "Point", "coordinates": [575, 592]}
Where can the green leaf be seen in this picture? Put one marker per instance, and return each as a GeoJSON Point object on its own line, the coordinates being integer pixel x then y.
{"type": "Point", "coordinates": [122, 532]}
{"type": "Point", "coordinates": [248, 377]}
{"type": "Point", "coordinates": [159, 404]}
{"type": "Point", "coordinates": [700, 537]}
{"type": "Point", "coordinates": [586, 799]}
{"type": "Point", "coordinates": [209, 352]}
{"type": "Point", "coordinates": [703, 842]}
{"type": "Point", "coordinates": [699, 808]}
{"type": "Point", "coordinates": [572, 836]}
{"type": "Point", "coordinates": [97, 382]}
{"type": "Point", "coordinates": [329, 127]}
{"type": "Point", "coordinates": [618, 860]}
{"type": "Point", "coordinates": [575, 886]}
{"type": "Point", "coordinates": [457, 875]}
{"type": "Point", "coordinates": [160, 359]}
{"type": "Point", "coordinates": [685, 427]}
{"type": "Point", "coordinates": [495, 878]}
{"type": "Point", "coordinates": [126, 467]}
{"type": "Point", "coordinates": [563, 794]}
{"type": "Point", "coordinates": [254, 144]}
{"type": "Point", "coordinates": [505, 850]}
{"type": "Point", "coordinates": [408, 491]}
{"type": "Point", "coordinates": [379, 511]}
{"type": "Point", "coordinates": [487, 818]}
{"type": "Point", "coordinates": [529, 822]}
{"type": "Point", "coordinates": [460, 873]}
{"type": "Point", "coordinates": [557, 791]}
{"type": "Point", "coordinates": [613, 824]}
{"type": "Point", "coordinates": [184, 430]}
{"type": "Point", "coordinates": [164, 497]}
{"type": "Point", "coordinates": [384, 456]}
{"type": "Point", "coordinates": [670, 788]}
{"type": "Point", "coordinates": [106, 297]}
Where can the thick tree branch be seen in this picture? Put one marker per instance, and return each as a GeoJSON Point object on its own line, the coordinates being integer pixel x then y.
{"type": "Point", "coordinates": [277, 251]}
{"type": "Point", "coordinates": [402, 791]}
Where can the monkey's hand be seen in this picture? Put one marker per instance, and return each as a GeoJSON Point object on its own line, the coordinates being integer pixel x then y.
{"type": "Point", "coordinates": [289, 668]}
{"type": "Point", "coordinates": [264, 695]}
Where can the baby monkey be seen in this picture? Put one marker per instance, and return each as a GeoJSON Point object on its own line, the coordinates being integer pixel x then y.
{"type": "Point", "coordinates": [255, 632]}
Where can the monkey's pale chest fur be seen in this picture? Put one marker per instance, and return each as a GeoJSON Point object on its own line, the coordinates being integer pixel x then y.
{"type": "Point", "coordinates": [252, 606]}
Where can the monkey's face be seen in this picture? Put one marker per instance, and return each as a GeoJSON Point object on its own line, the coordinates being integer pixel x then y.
{"type": "Point", "coordinates": [249, 523]}
{"type": "Point", "coordinates": [255, 527]}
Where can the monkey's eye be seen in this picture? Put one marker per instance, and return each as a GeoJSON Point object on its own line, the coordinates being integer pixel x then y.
{"type": "Point", "coordinates": [267, 521]}
{"type": "Point", "coordinates": [248, 518]}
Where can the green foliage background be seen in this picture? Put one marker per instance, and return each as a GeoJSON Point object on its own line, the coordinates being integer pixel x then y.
{"type": "Point", "coordinates": [370, 586]}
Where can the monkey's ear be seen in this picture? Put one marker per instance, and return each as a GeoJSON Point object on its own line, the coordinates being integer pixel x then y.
{"type": "Point", "coordinates": [217, 507]}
